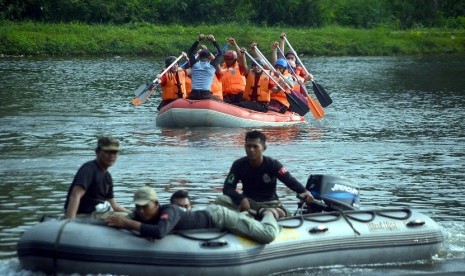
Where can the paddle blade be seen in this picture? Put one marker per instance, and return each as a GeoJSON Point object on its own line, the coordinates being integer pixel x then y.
{"type": "Point", "coordinates": [317, 110]}
{"type": "Point", "coordinates": [320, 93]}
{"type": "Point", "coordinates": [298, 104]}
{"type": "Point", "coordinates": [143, 93]}
{"type": "Point", "coordinates": [142, 88]}
{"type": "Point", "coordinates": [136, 101]}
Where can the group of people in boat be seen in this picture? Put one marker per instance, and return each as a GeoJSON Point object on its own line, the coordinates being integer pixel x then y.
{"type": "Point", "coordinates": [262, 87]}
{"type": "Point", "coordinates": [252, 213]}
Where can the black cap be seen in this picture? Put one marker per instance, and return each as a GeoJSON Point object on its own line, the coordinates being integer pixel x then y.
{"type": "Point", "coordinates": [170, 60]}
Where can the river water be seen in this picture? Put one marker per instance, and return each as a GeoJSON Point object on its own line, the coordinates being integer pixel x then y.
{"type": "Point", "coordinates": [396, 127]}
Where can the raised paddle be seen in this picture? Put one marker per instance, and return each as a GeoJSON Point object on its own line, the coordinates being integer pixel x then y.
{"type": "Point", "coordinates": [143, 94]}
{"type": "Point", "coordinates": [298, 103]}
{"type": "Point", "coordinates": [300, 109]}
{"type": "Point", "coordinates": [319, 91]}
{"type": "Point", "coordinates": [315, 107]}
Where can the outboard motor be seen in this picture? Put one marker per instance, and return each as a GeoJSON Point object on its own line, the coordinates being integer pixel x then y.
{"type": "Point", "coordinates": [337, 193]}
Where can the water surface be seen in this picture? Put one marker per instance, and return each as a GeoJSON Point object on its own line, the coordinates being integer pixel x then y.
{"type": "Point", "coordinates": [396, 127]}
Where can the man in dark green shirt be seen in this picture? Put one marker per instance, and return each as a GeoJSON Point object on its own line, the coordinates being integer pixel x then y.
{"type": "Point", "coordinates": [259, 175]}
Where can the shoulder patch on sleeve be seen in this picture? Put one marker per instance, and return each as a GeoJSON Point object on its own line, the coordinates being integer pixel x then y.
{"type": "Point", "coordinates": [164, 216]}
{"type": "Point", "coordinates": [282, 171]}
{"type": "Point", "coordinates": [230, 178]}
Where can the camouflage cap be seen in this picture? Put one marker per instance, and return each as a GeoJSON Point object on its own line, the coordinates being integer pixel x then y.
{"type": "Point", "coordinates": [108, 143]}
{"type": "Point", "coordinates": [144, 195]}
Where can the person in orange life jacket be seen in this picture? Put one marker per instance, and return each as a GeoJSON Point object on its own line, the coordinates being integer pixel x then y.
{"type": "Point", "coordinates": [155, 221]}
{"type": "Point", "coordinates": [173, 83]}
{"type": "Point", "coordinates": [217, 87]}
{"type": "Point", "coordinates": [257, 87]}
{"type": "Point", "coordinates": [203, 69]}
{"type": "Point", "coordinates": [278, 98]}
{"type": "Point", "coordinates": [291, 58]}
{"type": "Point", "coordinates": [188, 82]}
{"type": "Point", "coordinates": [232, 74]}
{"type": "Point", "coordinates": [258, 175]}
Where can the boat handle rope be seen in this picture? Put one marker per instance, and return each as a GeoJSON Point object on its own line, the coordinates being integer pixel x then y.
{"type": "Point", "coordinates": [336, 216]}
{"type": "Point", "coordinates": [348, 221]}
{"type": "Point", "coordinates": [408, 213]}
{"type": "Point", "coordinates": [57, 243]}
{"type": "Point", "coordinates": [301, 217]}
{"type": "Point", "coordinates": [349, 214]}
{"type": "Point", "coordinates": [185, 234]}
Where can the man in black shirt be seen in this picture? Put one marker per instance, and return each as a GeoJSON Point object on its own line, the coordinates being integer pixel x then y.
{"type": "Point", "coordinates": [258, 174]}
{"type": "Point", "coordinates": [92, 185]}
{"type": "Point", "coordinates": [155, 221]}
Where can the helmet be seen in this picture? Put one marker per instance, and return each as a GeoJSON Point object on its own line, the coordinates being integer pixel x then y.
{"type": "Point", "coordinates": [170, 60]}
{"type": "Point", "coordinates": [230, 55]}
{"type": "Point", "coordinates": [281, 62]}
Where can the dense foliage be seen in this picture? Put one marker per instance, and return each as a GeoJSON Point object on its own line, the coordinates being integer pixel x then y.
{"type": "Point", "coordinates": [141, 39]}
{"type": "Point", "coordinates": [296, 13]}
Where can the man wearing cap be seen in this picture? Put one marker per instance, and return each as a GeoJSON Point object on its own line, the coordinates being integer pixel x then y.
{"type": "Point", "coordinates": [155, 221]}
{"type": "Point", "coordinates": [92, 185]}
{"type": "Point", "coordinates": [203, 69]}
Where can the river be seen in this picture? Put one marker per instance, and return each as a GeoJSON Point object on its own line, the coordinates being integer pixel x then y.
{"type": "Point", "coordinates": [396, 127]}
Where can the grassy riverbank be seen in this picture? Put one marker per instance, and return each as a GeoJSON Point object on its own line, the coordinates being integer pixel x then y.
{"type": "Point", "coordinates": [46, 39]}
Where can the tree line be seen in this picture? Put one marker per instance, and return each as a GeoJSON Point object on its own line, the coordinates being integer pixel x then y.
{"type": "Point", "coordinates": [398, 14]}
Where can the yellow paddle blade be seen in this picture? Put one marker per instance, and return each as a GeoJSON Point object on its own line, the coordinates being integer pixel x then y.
{"type": "Point", "coordinates": [136, 101]}
{"type": "Point", "coordinates": [316, 109]}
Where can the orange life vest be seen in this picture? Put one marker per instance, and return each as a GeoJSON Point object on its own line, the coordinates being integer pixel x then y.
{"type": "Point", "coordinates": [188, 82]}
{"type": "Point", "coordinates": [299, 71]}
{"type": "Point", "coordinates": [281, 95]}
{"type": "Point", "coordinates": [216, 88]}
{"type": "Point", "coordinates": [296, 86]}
{"type": "Point", "coordinates": [171, 85]}
{"type": "Point", "coordinates": [232, 80]}
{"type": "Point", "coordinates": [262, 91]}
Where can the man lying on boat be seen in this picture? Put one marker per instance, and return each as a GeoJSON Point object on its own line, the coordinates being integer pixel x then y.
{"type": "Point", "coordinates": [182, 199]}
{"type": "Point", "coordinates": [155, 221]}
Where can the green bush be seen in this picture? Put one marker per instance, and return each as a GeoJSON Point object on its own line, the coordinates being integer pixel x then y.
{"type": "Point", "coordinates": [65, 39]}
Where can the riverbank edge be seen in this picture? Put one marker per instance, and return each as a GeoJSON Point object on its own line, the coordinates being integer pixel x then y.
{"type": "Point", "coordinates": [76, 39]}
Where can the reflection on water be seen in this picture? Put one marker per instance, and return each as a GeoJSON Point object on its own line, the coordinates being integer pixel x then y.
{"type": "Point", "coordinates": [396, 127]}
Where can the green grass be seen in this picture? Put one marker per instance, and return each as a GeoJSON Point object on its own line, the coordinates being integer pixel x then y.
{"type": "Point", "coordinates": [77, 39]}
